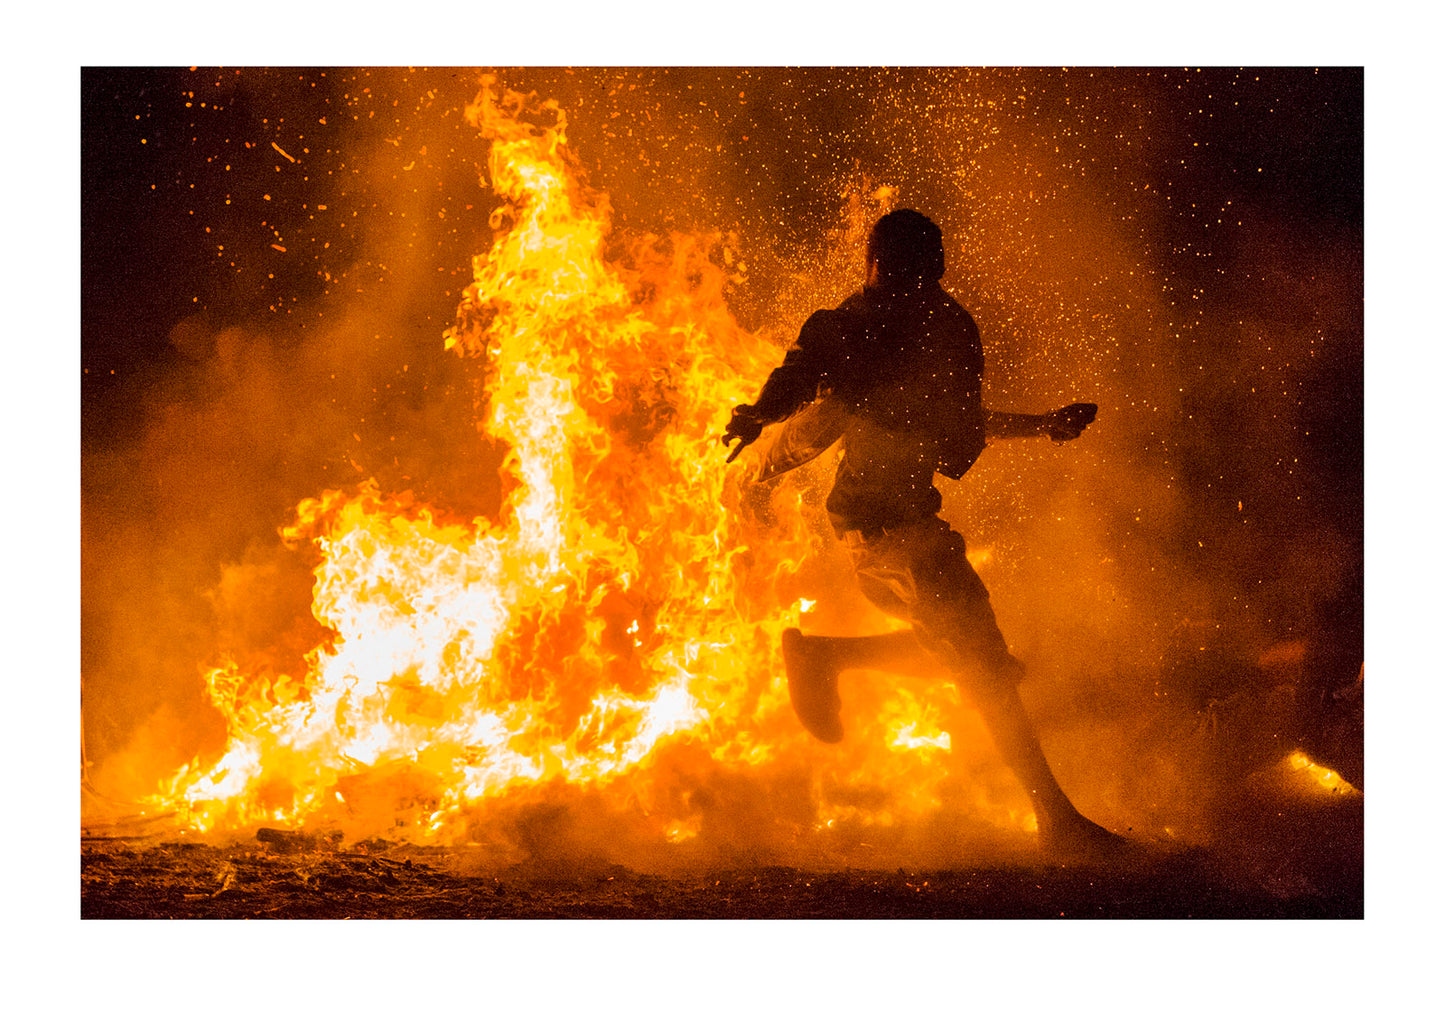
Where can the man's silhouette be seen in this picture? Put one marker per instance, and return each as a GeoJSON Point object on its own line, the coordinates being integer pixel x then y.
{"type": "Point", "coordinates": [897, 372]}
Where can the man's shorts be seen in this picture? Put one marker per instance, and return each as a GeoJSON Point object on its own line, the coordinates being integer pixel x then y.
{"type": "Point", "coordinates": [919, 573]}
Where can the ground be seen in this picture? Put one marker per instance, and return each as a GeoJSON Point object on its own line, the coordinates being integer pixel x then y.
{"type": "Point", "coordinates": [1274, 860]}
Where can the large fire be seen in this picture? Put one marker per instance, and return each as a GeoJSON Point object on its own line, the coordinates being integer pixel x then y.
{"type": "Point", "coordinates": [609, 643]}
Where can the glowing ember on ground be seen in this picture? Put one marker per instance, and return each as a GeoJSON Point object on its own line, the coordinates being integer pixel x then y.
{"type": "Point", "coordinates": [1327, 779]}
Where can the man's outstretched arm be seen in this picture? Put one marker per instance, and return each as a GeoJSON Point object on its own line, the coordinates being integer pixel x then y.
{"type": "Point", "coordinates": [789, 386]}
{"type": "Point", "coordinates": [1064, 424]}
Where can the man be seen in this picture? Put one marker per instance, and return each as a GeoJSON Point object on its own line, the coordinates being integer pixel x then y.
{"type": "Point", "coordinates": [897, 372]}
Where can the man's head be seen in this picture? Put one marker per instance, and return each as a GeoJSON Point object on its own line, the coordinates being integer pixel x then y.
{"type": "Point", "coordinates": [905, 248]}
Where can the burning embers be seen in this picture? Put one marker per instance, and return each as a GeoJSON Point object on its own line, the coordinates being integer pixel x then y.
{"type": "Point", "coordinates": [611, 637]}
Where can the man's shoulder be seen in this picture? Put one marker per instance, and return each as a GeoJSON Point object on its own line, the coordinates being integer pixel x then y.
{"type": "Point", "coordinates": [862, 314]}
{"type": "Point", "coordinates": [836, 323]}
{"type": "Point", "coordinates": [951, 308]}
{"type": "Point", "coordinates": [867, 302]}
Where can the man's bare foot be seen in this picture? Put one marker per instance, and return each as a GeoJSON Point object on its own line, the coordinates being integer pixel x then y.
{"type": "Point", "coordinates": [812, 686]}
{"type": "Point", "coordinates": [1076, 839]}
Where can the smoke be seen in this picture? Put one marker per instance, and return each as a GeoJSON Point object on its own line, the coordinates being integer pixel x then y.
{"type": "Point", "coordinates": [1147, 573]}
{"type": "Point", "coordinates": [184, 563]}
{"type": "Point", "coordinates": [304, 370]}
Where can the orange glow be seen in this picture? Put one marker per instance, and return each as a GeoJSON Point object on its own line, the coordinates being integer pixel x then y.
{"type": "Point", "coordinates": [1326, 779]}
{"type": "Point", "coordinates": [614, 632]}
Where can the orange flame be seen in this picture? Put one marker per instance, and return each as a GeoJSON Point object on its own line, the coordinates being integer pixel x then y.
{"type": "Point", "coordinates": [616, 629]}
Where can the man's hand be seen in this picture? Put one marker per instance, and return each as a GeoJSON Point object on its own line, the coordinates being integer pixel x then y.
{"type": "Point", "coordinates": [745, 426]}
{"type": "Point", "coordinates": [1067, 423]}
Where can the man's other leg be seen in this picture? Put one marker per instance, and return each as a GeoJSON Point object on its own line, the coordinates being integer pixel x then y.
{"type": "Point", "coordinates": [1063, 830]}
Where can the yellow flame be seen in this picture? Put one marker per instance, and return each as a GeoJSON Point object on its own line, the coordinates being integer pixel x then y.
{"type": "Point", "coordinates": [622, 609]}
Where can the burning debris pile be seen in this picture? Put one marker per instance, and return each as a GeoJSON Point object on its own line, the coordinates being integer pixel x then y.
{"type": "Point", "coordinates": [606, 648]}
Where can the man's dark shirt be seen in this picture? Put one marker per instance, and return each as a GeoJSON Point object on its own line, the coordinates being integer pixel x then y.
{"type": "Point", "coordinates": [908, 368]}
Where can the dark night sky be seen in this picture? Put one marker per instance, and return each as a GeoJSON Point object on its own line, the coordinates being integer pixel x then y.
{"type": "Point", "coordinates": [170, 160]}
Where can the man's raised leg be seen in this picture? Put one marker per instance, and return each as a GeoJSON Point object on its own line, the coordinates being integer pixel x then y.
{"type": "Point", "coordinates": [813, 663]}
